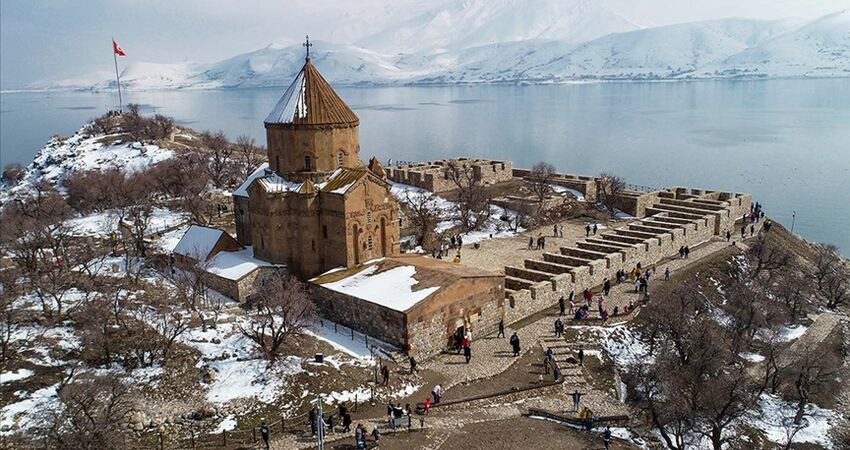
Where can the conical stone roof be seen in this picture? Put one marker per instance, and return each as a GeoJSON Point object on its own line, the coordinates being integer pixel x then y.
{"type": "Point", "coordinates": [310, 100]}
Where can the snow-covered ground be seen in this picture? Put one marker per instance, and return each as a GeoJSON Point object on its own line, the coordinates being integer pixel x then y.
{"type": "Point", "coordinates": [494, 227]}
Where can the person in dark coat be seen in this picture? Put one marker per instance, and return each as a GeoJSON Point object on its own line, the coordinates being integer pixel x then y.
{"type": "Point", "coordinates": [515, 343]}
{"type": "Point", "coordinates": [312, 419]}
{"type": "Point", "coordinates": [501, 328]}
{"type": "Point", "coordinates": [385, 375]}
{"type": "Point", "coordinates": [606, 287]}
{"type": "Point", "coordinates": [264, 433]}
{"type": "Point", "coordinates": [587, 230]}
{"type": "Point", "coordinates": [562, 305]}
{"type": "Point", "coordinates": [606, 438]}
{"type": "Point", "coordinates": [467, 353]}
{"type": "Point", "coordinates": [346, 422]}
{"type": "Point", "coordinates": [581, 355]}
{"type": "Point", "coordinates": [413, 368]}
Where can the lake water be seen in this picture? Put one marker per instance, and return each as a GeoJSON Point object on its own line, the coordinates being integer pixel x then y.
{"type": "Point", "coordinates": [785, 141]}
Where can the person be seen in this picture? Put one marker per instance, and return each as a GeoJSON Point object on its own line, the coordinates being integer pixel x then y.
{"type": "Point", "coordinates": [459, 241]}
{"type": "Point", "coordinates": [752, 230]}
{"type": "Point", "coordinates": [530, 242]}
{"type": "Point", "coordinates": [606, 286]}
{"type": "Point", "coordinates": [385, 374]}
{"type": "Point", "coordinates": [667, 273]}
{"type": "Point", "coordinates": [571, 298]}
{"type": "Point", "coordinates": [413, 368]}
{"type": "Point", "coordinates": [728, 236]}
{"type": "Point", "coordinates": [264, 433]}
{"type": "Point", "coordinates": [501, 328]}
{"type": "Point", "coordinates": [560, 231]}
{"type": "Point", "coordinates": [427, 405]}
{"type": "Point", "coordinates": [581, 355]}
{"type": "Point", "coordinates": [559, 327]}
{"type": "Point", "coordinates": [467, 352]}
{"type": "Point", "coordinates": [637, 285]}
{"type": "Point", "coordinates": [515, 343]}
{"type": "Point", "coordinates": [616, 310]}
{"type": "Point", "coordinates": [606, 438]}
{"type": "Point", "coordinates": [767, 225]}
{"type": "Point", "coordinates": [562, 305]}
{"type": "Point", "coordinates": [346, 422]}
{"type": "Point", "coordinates": [407, 410]}
{"type": "Point", "coordinates": [545, 368]}
{"type": "Point", "coordinates": [542, 242]}
{"type": "Point", "coordinates": [376, 435]}
{"type": "Point", "coordinates": [331, 423]}
{"type": "Point", "coordinates": [682, 251]}
{"type": "Point", "coordinates": [453, 241]}
{"type": "Point", "coordinates": [437, 392]}
{"type": "Point", "coordinates": [687, 251]}
{"type": "Point", "coordinates": [587, 230]}
{"type": "Point", "coordinates": [555, 231]}
{"type": "Point", "coordinates": [595, 228]}
{"type": "Point", "coordinates": [312, 419]}
{"type": "Point", "coordinates": [743, 230]}
{"type": "Point", "coordinates": [359, 437]}
{"type": "Point", "coordinates": [576, 395]}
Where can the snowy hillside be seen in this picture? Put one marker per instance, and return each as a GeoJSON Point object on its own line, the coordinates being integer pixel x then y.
{"type": "Point", "coordinates": [512, 41]}
{"type": "Point", "coordinates": [81, 152]}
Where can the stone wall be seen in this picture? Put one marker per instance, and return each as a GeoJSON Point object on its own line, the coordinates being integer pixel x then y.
{"type": "Point", "coordinates": [374, 320]}
{"type": "Point", "coordinates": [433, 175]}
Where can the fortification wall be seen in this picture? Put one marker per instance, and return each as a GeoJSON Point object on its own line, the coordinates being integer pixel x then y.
{"type": "Point", "coordinates": [433, 176]}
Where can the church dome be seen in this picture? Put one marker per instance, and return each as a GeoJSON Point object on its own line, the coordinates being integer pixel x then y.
{"type": "Point", "coordinates": [310, 100]}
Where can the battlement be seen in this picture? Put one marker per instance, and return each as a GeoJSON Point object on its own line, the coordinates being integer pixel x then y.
{"type": "Point", "coordinates": [433, 176]}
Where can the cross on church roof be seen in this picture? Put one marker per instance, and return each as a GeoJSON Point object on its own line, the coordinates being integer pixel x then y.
{"type": "Point", "coordinates": [307, 44]}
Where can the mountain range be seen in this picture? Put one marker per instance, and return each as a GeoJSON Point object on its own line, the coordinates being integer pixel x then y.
{"type": "Point", "coordinates": [519, 41]}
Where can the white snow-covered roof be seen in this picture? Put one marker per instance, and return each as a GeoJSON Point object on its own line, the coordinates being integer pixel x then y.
{"type": "Point", "coordinates": [293, 103]}
{"type": "Point", "coordinates": [274, 183]}
{"type": "Point", "coordinates": [242, 190]}
{"type": "Point", "coordinates": [393, 288]}
{"type": "Point", "coordinates": [198, 242]}
{"type": "Point", "coordinates": [236, 265]}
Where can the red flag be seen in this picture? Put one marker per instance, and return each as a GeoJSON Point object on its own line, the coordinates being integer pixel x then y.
{"type": "Point", "coordinates": [117, 48]}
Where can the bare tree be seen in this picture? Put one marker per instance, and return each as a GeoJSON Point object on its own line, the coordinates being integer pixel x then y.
{"type": "Point", "coordinates": [540, 180]}
{"type": "Point", "coordinates": [219, 166]}
{"type": "Point", "coordinates": [609, 187]}
{"type": "Point", "coordinates": [423, 212]}
{"type": "Point", "coordinates": [10, 313]}
{"type": "Point", "coordinates": [769, 258]}
{"type": "Point", "coordinates": [812, 373]}
{"type": "Point", "coordinates": [473, 205]}
{"type": "Point", "coordinates": [93, 415]}
{"type": "Point", "coordinates": [278, 314]}
{"type": "Point", "coordinates": [249, 154]}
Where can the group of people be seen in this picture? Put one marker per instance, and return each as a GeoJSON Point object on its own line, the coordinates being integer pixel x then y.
{"type": "Point", "coordinates": [684, 251]}
{"type": "Point", "coordinates": [539, 244]}
{"type": "Point", "coordinates": [330, 423]}
{"type": "Point", "coordinates": [395, 411]}
{"type": "Point", "coordinates": [442, 250]}
{"type": "Point", "coordinates": [588, 228]}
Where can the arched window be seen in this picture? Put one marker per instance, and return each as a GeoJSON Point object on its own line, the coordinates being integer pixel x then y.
{"type": "Point", "coordinates": [369, 242]}
{"type": "Point", "coordinates": [368, 216]}
{"type": "Point", "coordinates": [307, 162]}
{"type": "Point", "coordinates": [340, 159]}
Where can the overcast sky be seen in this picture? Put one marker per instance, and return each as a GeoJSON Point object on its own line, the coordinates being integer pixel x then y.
{"type": "Point", "coordinates": [53, 39]}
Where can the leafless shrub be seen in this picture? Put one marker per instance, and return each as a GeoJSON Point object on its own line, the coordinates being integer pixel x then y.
{"type": "Point", "coordinates": [278, 315]}
{"type": "Point", "coordinates": [473, 205]}
{"type": "Point", "coordinates": [250, 155]}
{"type": "Point", "coordinates": [540, 180]}
{"type": "Point", "coordinates": [608, 188]}
{"type": "Point", "coordinates": [220, 166]}
{"type": "Point", "coordinates": [92, 414]}
{"type": "Point", "coordinates": [423, 213]}
{"type": "Point", "coordinates": [13, 174]}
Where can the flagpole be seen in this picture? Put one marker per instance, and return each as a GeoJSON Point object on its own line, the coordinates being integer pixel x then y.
{"type": "Point", "coordinates": [117, 78]}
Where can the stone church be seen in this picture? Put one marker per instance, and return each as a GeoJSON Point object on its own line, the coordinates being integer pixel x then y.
{"type": "Point", "coordinates": [315, 205]}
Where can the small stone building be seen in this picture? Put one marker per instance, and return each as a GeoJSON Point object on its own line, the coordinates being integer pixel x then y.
{"type": "Point", "coordinates": [413, 302]}
{"type": "Point", "coordinates": [230, 269]}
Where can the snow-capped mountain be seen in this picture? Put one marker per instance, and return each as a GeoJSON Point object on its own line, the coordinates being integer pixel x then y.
{"type": "Point", "coordinates": [472, 23]}
{"type": "Point", "coordinates": [532, 48]}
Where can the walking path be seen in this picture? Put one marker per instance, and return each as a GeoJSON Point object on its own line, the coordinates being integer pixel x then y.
{"type": "Point", "coordinates": [492, 356]}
